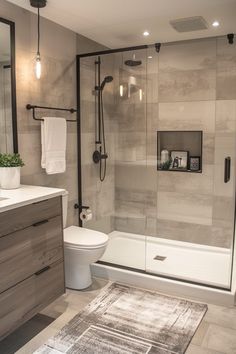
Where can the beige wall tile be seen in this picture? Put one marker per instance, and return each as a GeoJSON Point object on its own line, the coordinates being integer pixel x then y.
{"type": "Point", "coordinates": [187, 116]}
{"type": "Point", "coordinates": [198, 85]}
{"type": "Point", "coordinates": [188, 55]}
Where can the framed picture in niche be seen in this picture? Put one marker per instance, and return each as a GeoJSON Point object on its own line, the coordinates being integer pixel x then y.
{"type": "Point", "coordinates": [179, 160]}
{"type": "Point", "coordinates": [194, 163]}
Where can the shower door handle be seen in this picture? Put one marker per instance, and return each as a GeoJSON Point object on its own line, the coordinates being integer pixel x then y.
{"type": "Point", "coordinates": [227, 169]}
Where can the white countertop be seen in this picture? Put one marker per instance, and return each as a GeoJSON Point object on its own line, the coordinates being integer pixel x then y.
{"type": "Point", "coordinates": [15, 198]}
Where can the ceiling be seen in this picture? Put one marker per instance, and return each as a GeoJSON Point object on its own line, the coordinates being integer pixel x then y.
{"type": "Point", "coordinates": [120, 23]}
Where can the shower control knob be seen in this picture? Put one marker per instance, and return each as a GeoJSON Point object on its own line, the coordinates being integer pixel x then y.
{"type": "Point", "coordinates": [97, 156]}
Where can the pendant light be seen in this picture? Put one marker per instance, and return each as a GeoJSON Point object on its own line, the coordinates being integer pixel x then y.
{"type": "Point", "coordinates": [38, 4]}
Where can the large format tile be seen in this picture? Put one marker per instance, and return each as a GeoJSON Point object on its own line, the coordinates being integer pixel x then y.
{"type": "Point", "coordinates": [226, 116]}
{"type": "Point", "coordinates": [187, 182]}
{"type": "Point", "coordinates": [188, 55]}
{"type": "Point", "coordinates": [220, 339]}
{"type": "Point", "coordinates": [197, 85]}
{"type": "Point", "coordinates": [226, 70]}
{"type": "Point", "coordinates": [187, 116]}
{"type": "Point", "coordinates": [195, 349]}
{"type": "Point", "coordinates": [222, 316]}
{"type": "Point", "coordinates": [185, 207]}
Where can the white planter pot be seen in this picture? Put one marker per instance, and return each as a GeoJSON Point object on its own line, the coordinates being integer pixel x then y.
{"type": "Point", "coordinates": [10, 177]}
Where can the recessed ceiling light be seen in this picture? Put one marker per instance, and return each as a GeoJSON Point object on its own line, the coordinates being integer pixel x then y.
{"type": "Point", "coordinates": [215, 23]}
{"type": "Point", "coordinates": [149, 57]}
{"type": "Point", "coordinates": [146, 33]}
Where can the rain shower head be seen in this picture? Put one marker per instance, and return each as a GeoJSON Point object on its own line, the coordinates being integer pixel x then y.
{"type": "Point", "coordinates": [106, 80]}
{"type": "Point", "coordinates": [133, 62]}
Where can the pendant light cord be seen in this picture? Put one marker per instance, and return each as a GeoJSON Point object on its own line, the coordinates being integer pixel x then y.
{"type": "Point", "coordinates": [38, 53]}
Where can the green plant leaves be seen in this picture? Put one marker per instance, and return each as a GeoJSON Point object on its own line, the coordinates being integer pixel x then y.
{"type": "Point", "coordinates": [11, 160]}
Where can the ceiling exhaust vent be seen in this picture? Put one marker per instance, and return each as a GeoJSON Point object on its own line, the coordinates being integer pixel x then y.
{"type": "Point", "coordinates": [189, 24]}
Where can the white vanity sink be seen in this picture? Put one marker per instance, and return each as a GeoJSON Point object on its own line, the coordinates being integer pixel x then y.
{"type": "Point", "coordinates": [1, 199]}
{"type": "Point", "coordinates": [14, 198]}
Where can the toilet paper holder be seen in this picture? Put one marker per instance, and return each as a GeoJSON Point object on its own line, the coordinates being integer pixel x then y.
{"type": "Point", "coordinates": [81, 207]}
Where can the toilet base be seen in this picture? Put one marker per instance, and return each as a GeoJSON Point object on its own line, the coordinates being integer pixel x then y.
{"type": "Point", "coordinates": [79, 278]}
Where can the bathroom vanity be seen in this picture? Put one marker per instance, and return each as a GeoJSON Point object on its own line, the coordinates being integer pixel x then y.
{"type": "Point", "coordinates": [31, 253]}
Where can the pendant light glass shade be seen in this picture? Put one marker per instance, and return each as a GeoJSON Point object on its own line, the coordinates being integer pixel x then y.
{"type": "Point", "coordinates": [38, 67]}
{"type": "Point", "coordinates": [38, 4]}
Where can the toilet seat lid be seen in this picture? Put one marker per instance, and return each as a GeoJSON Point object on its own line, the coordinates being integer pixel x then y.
{"type": "Point", "coordinates": [84, 238]}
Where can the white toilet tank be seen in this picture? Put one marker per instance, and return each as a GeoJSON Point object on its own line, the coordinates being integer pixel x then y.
{"type": "Point", "coordinates": [64, 207]}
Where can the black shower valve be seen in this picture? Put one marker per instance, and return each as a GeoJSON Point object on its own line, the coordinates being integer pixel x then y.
{"type": "Point", "coordinates": [98, 156]}
{"type": "Point", "coordinates": [158, 47]}
{"type": "Point", "coordinates": [230, 37]}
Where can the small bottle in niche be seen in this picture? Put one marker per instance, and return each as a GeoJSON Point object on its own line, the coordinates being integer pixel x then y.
{"type": "Point", "coordinates": [164, 156]}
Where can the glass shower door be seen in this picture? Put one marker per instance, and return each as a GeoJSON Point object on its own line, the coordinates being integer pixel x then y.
{"type": "Point", "coordinates": [127, 244]}
{"type": "Point", "coordinates": [191, 237]}
{"type": "Point", "coordinates": [119, 202]}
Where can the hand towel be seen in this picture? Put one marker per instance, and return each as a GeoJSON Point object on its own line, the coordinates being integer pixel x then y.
{"type": "Point", "coordinates": [53, 140]}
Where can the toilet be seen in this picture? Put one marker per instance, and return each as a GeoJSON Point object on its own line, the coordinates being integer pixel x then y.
{"type": "Point", "coordinates": [82, 247]}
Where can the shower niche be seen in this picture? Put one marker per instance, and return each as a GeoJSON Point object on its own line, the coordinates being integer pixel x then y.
{"type": "Point", "coordinates": [179, 151]}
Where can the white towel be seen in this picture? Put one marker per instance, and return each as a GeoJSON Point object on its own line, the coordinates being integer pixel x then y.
{"type": "Point", "coordinates": [53, 140]}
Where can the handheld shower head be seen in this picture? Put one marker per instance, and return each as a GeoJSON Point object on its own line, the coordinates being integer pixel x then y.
{"type": "Point", "coordinates": [106, 80]}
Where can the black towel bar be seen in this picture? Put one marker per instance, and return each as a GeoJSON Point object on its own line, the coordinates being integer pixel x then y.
{"type": "Point", "coordinates": [33, 107]}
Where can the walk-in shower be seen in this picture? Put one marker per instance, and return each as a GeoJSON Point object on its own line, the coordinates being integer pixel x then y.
{"type": "Point", "coordinates": [165, 104]}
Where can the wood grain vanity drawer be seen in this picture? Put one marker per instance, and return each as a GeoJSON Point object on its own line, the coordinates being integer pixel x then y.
{"type": "Point", "coordinates": [25, 252]}
{"type": "Point", "coordinates": [20, 218]}
{"type": "Point", "coordinates": [21, 302]}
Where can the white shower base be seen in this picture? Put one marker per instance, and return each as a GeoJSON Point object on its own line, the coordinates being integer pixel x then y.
{"type": "Point", "coordinates": [182, 260]}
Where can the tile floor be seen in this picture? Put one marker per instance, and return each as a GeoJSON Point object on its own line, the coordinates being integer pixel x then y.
{"type": "Point", "coordinates": [215, 335]}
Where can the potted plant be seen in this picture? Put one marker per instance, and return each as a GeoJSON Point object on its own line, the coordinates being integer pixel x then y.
{"type": "Point", "coordinates": [10, 165]}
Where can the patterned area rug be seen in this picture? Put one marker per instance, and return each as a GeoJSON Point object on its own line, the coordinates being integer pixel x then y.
{"type": "Point", "coordinates": [126, 320]}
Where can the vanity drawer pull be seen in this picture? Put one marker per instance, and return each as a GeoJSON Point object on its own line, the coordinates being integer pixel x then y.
{"type": "Point", "coordinates": [40, 222]}
{"type": "Point", "coordinates": [42, 270]}
{"type": "Point", "coordinates": [159, 258]}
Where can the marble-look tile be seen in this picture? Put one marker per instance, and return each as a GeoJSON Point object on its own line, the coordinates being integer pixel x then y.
{"type": "Point", "coordinates": [132, 117]}
{"type": "Point", "coordinates": [223, 211]}
{"type": "Point", "coordinates": [52, 37]}
{"type": "Point", "coordinates": [226, 70]}
{"type": "Point", "coordinates": [187, 232]}
{"type": "Point", "coordinates": [188, 55]}
{"type": "Point", "coordinates": [103, 224]}
{"type": "Point", "coordinates": [152, 150]}
{"type": "Point", "coordinates": [222, 316]}
{"type": "Point", "coordinates": [226, 116]}
{"type": "Point", "coordinates": [152, 88]}
{"type": "Point", "coordinates": [138, 177]}
{"type": "Point", "coordinates": [195, 85]}
{"type": "Point", "coordinates": [194, 349]}
{"type": "Point", "coordinates": [226, 84]}
{"type": "Point", "coordinates": [136, 225]}
{"type": "Point", "coordinates": [152, 61]}
{"type": "Point", "coordinates": [151, 226]}
{"type": "Point", "coordinates": [185, 207]}
{"type": "Point", "coordinates": [152, 117]}
{"type": "Point", "coordinates": [131, 147]}
{"type": "Point", "coordinates": [187, 116]}
{"type": "Point", "coordinates": [220, 339]}
{"type": "Point", "coordinates": [187, 182]}
{"type": "Point", "coordinates": [208, 149]}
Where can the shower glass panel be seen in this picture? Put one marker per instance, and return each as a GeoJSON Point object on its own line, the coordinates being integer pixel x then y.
{"type": "Point", "coordinates": [117, 203]}
{"type": "Point", "coordinates": [176, 221]}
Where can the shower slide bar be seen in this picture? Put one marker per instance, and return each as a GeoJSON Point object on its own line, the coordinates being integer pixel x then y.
{"type": "Point", "coordinates": [33, 107]}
